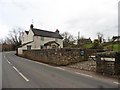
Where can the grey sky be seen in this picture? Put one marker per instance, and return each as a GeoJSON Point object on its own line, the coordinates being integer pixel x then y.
{"type": "Point", "coordinates": [85, 16]}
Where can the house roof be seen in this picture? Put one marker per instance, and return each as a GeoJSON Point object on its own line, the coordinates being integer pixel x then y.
{"type": "Point", "coordinates": [26, 43]}
{"type": "Point", "coordinates": [115, 37]}
{"type": "Point", "coordinates": [44, 33]}
{"type": "Point", "coordinates": [85, 40]}
{"type": "Point", "coordinates": [27, 32]}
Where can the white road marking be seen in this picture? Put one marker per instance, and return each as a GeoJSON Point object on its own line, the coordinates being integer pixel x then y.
{"type": "Point", "coordinates": [4, 56]}
{"type": "Point", "coordinates": [117, 83]}
{"type": "Point", "coordinates": [9, 62]}
{"type": "Point", "coordinates": [83, 74]}
{"type": "Point", "coordinates": [60, 68]}
{"type": "Point", "coordinates": [21, 74]}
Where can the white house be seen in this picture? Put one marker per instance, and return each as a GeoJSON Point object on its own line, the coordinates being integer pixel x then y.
{"type": "Point", "coordinates": [40, 39]}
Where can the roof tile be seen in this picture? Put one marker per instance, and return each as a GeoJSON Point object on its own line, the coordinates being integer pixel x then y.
{"type": "Point", "coordinates": [44, 33]}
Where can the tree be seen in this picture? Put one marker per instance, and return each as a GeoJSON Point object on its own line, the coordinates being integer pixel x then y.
{"type": "Point", "coordinates": [2, 41]}
{"type": "Point", "coordinates": [100, 37]}
{"type": "Point", "coordinates": [14, 37]}
{"type": "Point", "coordinates": [95, 44]}
{"type": "Point", "coordinates": [68, 39]}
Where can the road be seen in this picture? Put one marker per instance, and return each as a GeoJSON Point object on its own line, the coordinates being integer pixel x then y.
{"type": "Point", "coordinates": [19, 72]}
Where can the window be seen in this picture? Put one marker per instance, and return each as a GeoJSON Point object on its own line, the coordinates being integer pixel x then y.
{"type": "Point", "coordinates": [56, 39]}
{"type": "Point", "coordinates": [42, 38]}
{"type": "Point", "coordinates": [41, 46]}
{"type": "Point", "coordinates": [29, 47]}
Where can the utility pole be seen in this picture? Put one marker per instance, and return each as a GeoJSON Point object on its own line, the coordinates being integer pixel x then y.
{"type": "Point", "coordinates": [78, 38]}
{"type": "Point", "coordinates": [78, 35]}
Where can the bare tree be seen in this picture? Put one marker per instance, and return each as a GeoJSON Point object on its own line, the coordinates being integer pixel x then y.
{"type": "Point", "coordinates": [100, 37]}
{"type": "Point", "coordinates": [68, 39]}
{"type": "Point", "coordinates": [14, 37]}
{"type": "Point", "coordinates": [2, 41]}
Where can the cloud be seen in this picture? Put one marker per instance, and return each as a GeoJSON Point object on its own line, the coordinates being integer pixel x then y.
{"type": "Point", "coordinates": [88, 27]}
{"type": "Point", "coordinates": [86, 16]}
{"type": "Point", "coordinates": [102, 19]}
{"type": "Point", "coordinates": [3, 30]}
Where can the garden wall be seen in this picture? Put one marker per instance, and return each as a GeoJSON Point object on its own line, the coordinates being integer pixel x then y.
{"type": "Point", "coordinates": [58, 56]}
{"type": "Point", "coordinates": [108, 63]}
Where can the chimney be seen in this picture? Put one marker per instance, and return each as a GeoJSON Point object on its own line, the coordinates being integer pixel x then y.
{"type": "Point", "coordinates": [57, 31]}
{"type": "Point", "coordinates": [31, 26]}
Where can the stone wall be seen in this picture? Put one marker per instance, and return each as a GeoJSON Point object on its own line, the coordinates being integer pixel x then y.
{"type": "Point", "coordinates": [89, 65]}
{"type": "Point", "coordinates": [117, 63]}
{"type": "Point", "coordinates": [108, 66]}
{"type": "Point", "coordinates": [58, 56]}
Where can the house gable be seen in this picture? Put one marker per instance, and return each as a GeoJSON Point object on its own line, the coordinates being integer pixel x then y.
{"type": "Point", "coordinates": [24, 38]}
{"type": "Point", "coordinates": [27, 36]}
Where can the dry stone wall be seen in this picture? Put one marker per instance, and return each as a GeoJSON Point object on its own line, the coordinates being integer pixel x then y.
{"type": "Point", "coordinates": [107, 66]}
{"type": "Point", "coordinates": [58, 56]}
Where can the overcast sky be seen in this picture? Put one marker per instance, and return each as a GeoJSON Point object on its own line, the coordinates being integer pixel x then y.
{"type": "Point", "coordinates": [85, 16]}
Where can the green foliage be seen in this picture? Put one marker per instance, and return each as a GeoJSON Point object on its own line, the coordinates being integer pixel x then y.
{"type": "Point", "coordinates": [88, 45]}
{"type": "Point", "coordinates": [116, 47]}
{"type": "Point", "coordinates": [96, 44]}
{"type": "Point", "coordinates": [113, 47]}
